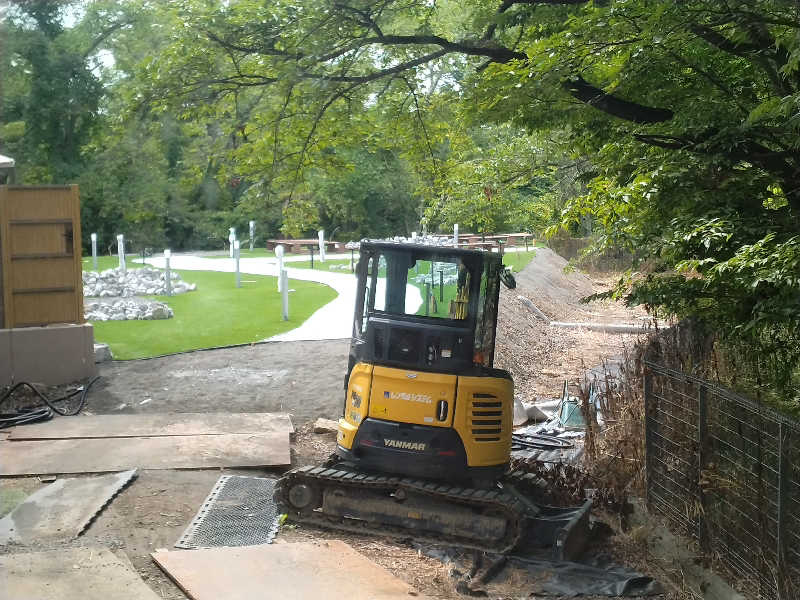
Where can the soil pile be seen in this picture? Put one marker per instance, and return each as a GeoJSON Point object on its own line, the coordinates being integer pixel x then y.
{"type": "Point", "coordinates": [540, 357]}
{"type": "Point", "coordinates": [557, 293]}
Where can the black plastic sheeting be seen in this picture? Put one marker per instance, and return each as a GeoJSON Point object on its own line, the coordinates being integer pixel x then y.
{"type": "Point", "coordinates": [544, 577]}
{"type": "Point", "coordinates": [573, 579]}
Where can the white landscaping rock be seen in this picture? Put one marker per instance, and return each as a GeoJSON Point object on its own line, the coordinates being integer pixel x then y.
{"type": "Point", "coordinates": [102, 353]}
{"type": "Point", "coordinates": [134, 309]}
{"type": "Point", "coordinates": [133, 282]}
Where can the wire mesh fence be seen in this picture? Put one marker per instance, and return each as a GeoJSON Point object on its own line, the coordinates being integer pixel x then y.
{"type": "Point", "coordinates": [725, 471]}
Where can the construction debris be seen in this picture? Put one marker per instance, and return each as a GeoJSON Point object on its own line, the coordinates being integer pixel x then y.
{"type": "Point", "coordinates": [533, 308]}
{"type": "Point", "coordinates": [325, 426]}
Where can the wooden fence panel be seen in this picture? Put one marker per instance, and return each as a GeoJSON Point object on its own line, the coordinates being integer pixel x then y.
{"type": "Point", "coordinates": [40, 250]}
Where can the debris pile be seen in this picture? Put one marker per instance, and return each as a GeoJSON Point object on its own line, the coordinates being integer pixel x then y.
{"type": "Point", "coordinates": [134, 282]}
{"type": "Point", "coordinates": [427, 240]}
{"type": "Point", "coordinates": [133, 309]}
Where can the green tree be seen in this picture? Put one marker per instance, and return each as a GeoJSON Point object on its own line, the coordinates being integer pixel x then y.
{"type": "Point", "coordinates": [51, 91]}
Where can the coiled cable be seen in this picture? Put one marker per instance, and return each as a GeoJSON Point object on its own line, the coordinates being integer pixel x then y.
{"type": "Point", "coordinates": [45, 411]}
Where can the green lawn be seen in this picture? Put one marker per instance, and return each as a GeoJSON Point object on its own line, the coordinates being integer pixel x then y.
{"type": "Point", "coordinates": [518, 260]}
{"type": "Point", "coordinates": [216, 314]}
{"type": "Point", "coordinates": [111, 262]}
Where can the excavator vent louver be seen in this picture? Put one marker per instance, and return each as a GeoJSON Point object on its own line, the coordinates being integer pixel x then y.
{"type": "Point", "coordinates": [487, 417]}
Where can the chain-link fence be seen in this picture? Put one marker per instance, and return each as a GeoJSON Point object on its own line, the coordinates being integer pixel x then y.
{"type": "Point", "coordinates": [725, 470]}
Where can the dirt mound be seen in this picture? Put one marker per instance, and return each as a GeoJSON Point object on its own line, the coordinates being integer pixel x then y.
{"type": "Point", "coordinates": [540, 356]}
{"type": "Point", "coordinates": [555, 292]}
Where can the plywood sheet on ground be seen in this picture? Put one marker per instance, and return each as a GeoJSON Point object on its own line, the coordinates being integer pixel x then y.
{"type": "Point", "coordinates": [152, 425]}
{"type": "Point", "coordinates": [85, 573]}
{"type": "Point", "coordinates": [120, 454]}
{"type": "Point", "coordinates": [286, 571]}
{"type": "Point", "coordinates": [61, 510]}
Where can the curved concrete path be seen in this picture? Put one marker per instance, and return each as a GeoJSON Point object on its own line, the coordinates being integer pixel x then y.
{"type": "Point", "coordinates": [332, 321]}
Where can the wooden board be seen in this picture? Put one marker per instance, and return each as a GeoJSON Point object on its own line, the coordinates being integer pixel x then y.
{"type": "Point", "coordinates": [152, 425]}
{"type": "Point", "coordinates": [121, 454]}
{"type": "Point", "coordinates": [286, 571]}
{"type": "Point", "coordinates": [85, 573]}
{"type": "Point", "coordinates": [61, 510]}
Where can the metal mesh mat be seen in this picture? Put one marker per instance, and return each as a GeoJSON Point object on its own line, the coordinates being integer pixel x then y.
{"type": "Point", "coordinates": [239, 511]}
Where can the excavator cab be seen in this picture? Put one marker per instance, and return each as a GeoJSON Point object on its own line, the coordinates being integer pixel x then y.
{"type": "Point", "coordinates": [422, 396]}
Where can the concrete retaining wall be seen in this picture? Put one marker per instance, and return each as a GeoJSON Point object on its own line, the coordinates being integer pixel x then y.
{"type": "Point", "coordinates": [49, 355]}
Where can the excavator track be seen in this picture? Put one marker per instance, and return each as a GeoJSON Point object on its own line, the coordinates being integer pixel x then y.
{"type": "Point", "coordinates": [305, 493]}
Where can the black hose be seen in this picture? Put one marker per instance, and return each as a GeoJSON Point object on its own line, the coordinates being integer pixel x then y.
{"type": "Point", "coordinates": [42, 412]}
{"type": "Point", "coordinates": [539, 441]}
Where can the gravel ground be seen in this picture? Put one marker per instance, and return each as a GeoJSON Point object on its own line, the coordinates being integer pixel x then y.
{"type": "Point", "coordinates": [304, 379]}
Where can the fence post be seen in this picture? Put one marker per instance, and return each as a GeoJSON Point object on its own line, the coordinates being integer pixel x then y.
{"type": "Point", "coordinates": [279, 255]}
{"type": "Point", "coordinates": [167, 272]}
{"type": "Point", "coordinates": [236, 251]}
{"type": "Point", "coordinates": [121, 252]}
{"type": "Point", "coordinates": [784, 469]}
{"type": "Point", "coordinates": [94, 251]}
{"type": "Point", "coordinates": [427, 299]}
{"type": "Point", "coordinates": [284, 294]}
{"type": "Point", "coordinates": [702, 461]}
{"type": "Point", "coordinates": [648, 438]}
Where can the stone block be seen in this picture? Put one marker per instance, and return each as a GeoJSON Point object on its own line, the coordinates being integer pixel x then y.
{"type": "Point", "coordinates": [53, 355]}
{"type": "Point", "coordinates": [6, 373]}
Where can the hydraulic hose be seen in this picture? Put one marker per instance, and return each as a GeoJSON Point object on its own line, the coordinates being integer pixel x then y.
{"type": "Point", "coordinates": [45, 411]}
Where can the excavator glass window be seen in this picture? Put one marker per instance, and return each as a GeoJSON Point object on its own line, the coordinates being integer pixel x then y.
{"type": "Point", "coordinates": [405, 285]}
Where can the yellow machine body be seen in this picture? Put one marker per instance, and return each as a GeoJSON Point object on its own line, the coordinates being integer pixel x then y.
{"type": "Point", "coordinates": [478, 409]}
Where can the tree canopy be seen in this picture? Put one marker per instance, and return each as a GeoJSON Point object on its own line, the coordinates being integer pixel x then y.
{"type": "Point", "coordinates": [671, 127]}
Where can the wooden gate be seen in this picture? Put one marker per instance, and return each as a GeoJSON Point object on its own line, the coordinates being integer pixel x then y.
{"type": "Point", "coordinates": [40, 254]}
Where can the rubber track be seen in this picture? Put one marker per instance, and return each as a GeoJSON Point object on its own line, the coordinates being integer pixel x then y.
{"type": "Point", "coordinates": [326, 476]}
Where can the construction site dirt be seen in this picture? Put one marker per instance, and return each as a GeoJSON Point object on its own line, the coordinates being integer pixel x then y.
{"type": "Point", "coordinates": [305, 379]}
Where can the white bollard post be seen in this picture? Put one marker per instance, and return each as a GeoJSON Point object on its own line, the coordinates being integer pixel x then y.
{"type": "Point", "coordinates": [284, 277]}
{"type": "Point", "coordinates": [94, 251]}
{"type": "Point", "coordinates": [414, 236]}
{"type": "Point", "coordinates": [279, 256]}
{"type": "Point", "coordinates": [455, 234]}
{"type": "Point", "coordinates": [231, 238]}
{"type": "Point", "coordinates": [121, 252]}
{"type": "Point", "coordinates": [321, 234]}
{"type": "Point", "coordinates": [236, 250]}
{"type": "Point", "coordinates": [167, 272]}
{"type": "Point", "coordinates": [252, 234]}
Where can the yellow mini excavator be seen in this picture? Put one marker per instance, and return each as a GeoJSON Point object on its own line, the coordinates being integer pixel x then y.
{"type": "Point", "coordinates": [425, 435]}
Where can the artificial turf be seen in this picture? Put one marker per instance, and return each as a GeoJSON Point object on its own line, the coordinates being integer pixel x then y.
{"type": "Point", "coordinates": [216, 314]}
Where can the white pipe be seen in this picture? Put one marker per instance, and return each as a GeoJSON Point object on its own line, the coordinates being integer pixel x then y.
{"type": "Point", "coordinates": [605, 327]}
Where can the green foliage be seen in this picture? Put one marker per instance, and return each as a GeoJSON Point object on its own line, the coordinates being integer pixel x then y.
{"type": "Point", "coordinates": [666, 129]}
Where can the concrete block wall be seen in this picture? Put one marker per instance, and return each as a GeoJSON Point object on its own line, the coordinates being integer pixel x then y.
{"type": "Point", "coordinates": [50, 355]}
